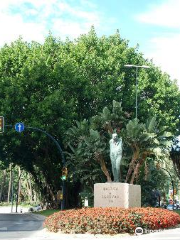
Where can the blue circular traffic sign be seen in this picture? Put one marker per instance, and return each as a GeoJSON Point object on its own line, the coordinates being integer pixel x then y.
{"type": "Point", "coordinates": [19, 127]}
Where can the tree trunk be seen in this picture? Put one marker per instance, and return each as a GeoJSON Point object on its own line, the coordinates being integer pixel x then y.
{"type": "Point", "coordinates": [35, 196]}
{"type": "Point", "coordinates": [19, 185]}
{"type": "Point", "coordinates": [132, 163]}
{"type": "Point", "coordinates": [136, 170]}
{"type": "Point", "coordinates": [108, 127]}
{"type": "Point", "coordinates": [100, 159]}
{"type": "Point", "coordinates": [146, 171]}
{"type": "Point", "coordinates": [29, 188]}
{"type": "Point", "coordinates": [18, 188]}
{"type": "Point", "coordinates": [10, 182]}
{"type": "Point", "coordinates": [2, 186]}
{"type": "Point", "coordinates": [38, 182]}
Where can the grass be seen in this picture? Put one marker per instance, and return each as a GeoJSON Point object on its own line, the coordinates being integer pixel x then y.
{"type": "Point", "coordinates": [47, 212]}
{"type": "Point", "coordinates": [177, 211]}
{"type": "Point", "coordinates": [5, 204]}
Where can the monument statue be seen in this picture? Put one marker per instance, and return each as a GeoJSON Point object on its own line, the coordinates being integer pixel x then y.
{"type": "Point", "coordinates": [116, 155]}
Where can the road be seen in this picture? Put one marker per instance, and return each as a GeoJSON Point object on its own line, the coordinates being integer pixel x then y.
{"type": "Point", "coordinates": [28, 226]}
{"type": "Point", "coordinates": [18, 226]}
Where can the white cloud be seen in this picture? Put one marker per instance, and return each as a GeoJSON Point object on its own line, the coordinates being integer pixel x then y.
{"type": "Point", "coordinates": [77, 12]}
{"type": "Point", "coordinates": [165, 14]}
{"type": "Point", "coordinates": [12, 27]}
{"type": "Point", "coordinates": [33, 19]}
{"type": "Point", "coordinates": [4, 5]}
{"type": "Point", "coordinates": [165, 48]}
{"type": "Point", "coordinates": [166, 53]}
{"type": "Point", "coordinates": [68, 28]}
{"type": "Point", "coordinates": [12, 24]}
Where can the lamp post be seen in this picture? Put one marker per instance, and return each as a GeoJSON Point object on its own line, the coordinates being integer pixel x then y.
{"type": "Point", "coordinates": [136, 67]}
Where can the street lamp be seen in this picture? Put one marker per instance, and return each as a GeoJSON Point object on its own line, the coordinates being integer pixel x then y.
{"type": "Point", "coordinates": [136, 66]}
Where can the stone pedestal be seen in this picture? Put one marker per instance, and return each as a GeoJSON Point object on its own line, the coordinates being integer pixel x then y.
{"type": "Point", "coordinates": [117, 195]}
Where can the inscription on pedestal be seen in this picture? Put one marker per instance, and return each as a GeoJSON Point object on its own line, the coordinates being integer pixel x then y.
{"type": "Point", "coordinates": [117, 195]}
{"type": "Point", "coordinates": [109, 195]}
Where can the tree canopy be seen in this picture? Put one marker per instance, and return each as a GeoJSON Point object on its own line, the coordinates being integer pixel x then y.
{"type": "Point", "coordinates": [54, 84]}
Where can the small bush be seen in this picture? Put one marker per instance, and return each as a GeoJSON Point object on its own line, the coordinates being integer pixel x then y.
{"type": "Point", "coordinates": [110, 220]}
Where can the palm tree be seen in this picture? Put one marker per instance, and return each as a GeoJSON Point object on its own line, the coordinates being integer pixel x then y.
{"type": "Point", "coordinates": [88, 143]}
{"type": "Point", "coordinates": [144, 140]}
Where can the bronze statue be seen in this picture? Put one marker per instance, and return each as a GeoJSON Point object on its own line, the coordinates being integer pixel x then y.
{"type": "Point", "coordinates": [116, 155]}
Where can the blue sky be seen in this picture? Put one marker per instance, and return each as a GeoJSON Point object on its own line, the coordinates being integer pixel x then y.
{"type": "Point", "coordinates": [153, 24]}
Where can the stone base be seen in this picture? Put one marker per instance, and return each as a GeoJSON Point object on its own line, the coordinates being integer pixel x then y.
{"type": "Point", "coordinates": [117, 195]}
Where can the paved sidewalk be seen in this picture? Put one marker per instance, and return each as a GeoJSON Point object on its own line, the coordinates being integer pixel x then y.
{"type": "Point", "coordinates": [9, 209]}
{"type": "Point", "coordinates": [45, 235]}
{"type": "Point", "coordinates": [164, 234]}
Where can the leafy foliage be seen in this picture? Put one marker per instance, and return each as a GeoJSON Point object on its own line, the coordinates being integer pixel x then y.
{"type": "Point", "coordinates": [89, 144]}
{"type": "Point", "coordinates": [54, 84]}
{"type": "Point", "coordinates": [144, 140]}
{"type": "Point", "coordinates": [175, 154]}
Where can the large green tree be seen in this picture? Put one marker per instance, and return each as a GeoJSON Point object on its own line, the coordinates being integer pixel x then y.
{"type": "Point", "coordinates": [53, 84]}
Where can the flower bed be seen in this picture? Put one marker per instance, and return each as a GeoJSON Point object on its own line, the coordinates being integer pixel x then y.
{"type": "Point", "coordinates": [110, 220]}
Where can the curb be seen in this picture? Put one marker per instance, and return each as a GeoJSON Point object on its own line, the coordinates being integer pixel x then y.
{"type": "Point", "coordinates": [37, 216]}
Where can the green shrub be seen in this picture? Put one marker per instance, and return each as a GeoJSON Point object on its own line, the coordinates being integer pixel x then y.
{"type": "Point", "coordinates": [110, 220]}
